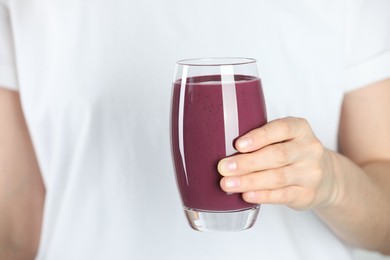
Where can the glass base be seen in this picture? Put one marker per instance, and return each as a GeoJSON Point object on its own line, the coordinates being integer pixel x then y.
{"type": "Point", "coordinates": [222, 221]}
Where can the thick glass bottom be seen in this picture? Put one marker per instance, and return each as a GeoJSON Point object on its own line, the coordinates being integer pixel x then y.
{"type": "Point", "coordinates": [222, 221]}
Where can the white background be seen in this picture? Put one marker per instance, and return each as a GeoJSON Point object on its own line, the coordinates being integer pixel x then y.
{"type": "Point", "coordinates": [365, 255]}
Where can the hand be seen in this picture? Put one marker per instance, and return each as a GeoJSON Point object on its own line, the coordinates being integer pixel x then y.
{"type": "Point", "coordinates": [281, 163]}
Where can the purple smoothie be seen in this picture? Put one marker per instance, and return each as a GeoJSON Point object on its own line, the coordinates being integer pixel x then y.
{"type": "Point", "coordinates": [198, 137]}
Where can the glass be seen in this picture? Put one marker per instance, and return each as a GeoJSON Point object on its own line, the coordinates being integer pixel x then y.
{"type": "Point", "coordinates": [214, 101]}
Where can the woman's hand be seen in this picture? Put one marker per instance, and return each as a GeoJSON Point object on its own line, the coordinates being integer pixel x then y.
{"type": "Point", "coordinates": [281, 163]}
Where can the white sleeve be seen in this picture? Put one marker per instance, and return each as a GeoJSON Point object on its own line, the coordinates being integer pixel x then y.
{"type": "Point", "coordinates": [8, 78]}
{"type": "Point", "coordinates": [367, 49]}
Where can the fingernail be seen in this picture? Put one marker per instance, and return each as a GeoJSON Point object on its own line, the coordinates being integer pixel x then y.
{"type": "Point", "coordinates": [232, 183]}
{"type": "Point", "coordinates": [228, 165]}
{"type": "Point", "coordinates": [244, 142]}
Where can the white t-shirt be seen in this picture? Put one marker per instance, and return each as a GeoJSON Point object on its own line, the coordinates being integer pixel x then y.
{"type": "Point", "coordinates": [95, 83]}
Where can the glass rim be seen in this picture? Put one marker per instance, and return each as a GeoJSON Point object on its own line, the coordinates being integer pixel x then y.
{"type": "Point", "coordinates": [216, 61]}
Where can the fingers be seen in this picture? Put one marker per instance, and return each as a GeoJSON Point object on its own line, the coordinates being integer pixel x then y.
{"type": "Point", "coordinates": [269, 157]}
{"type": "Point", "coordinates": [280, 196]}
{"type": "Point", "coordinates": [294, 196]}
{"type": "Point", "coordinates": [290, 175]}
{"type": "Point", "coordinates": [279, 163]}
{"type": "Point", "coordinates": [271, 179]}
{"type": "Point", "coordinates": [279, 130]}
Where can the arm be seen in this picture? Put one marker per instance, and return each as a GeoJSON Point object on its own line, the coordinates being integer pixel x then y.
{"type": "Point", "coordinates": [21, 186]}
{"type": "Point", "coordinates": [365, 140]}
{"type": "Point", "coordinates": [284, 163]}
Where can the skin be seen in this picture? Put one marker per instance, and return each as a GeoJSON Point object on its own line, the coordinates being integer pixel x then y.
{"type": "Point", "coordinates": [280, 163]}
{"type": "Point", "coordinates": [284, 163]}
{"type": "Point", "coordinates": [21, 187]}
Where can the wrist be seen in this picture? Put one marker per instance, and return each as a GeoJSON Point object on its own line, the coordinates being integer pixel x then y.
{"type": "Point", "coordinates": [334, 179]}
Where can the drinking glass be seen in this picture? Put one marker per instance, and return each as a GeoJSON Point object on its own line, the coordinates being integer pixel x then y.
{"type": "Point", "coordinates": [214, 101]}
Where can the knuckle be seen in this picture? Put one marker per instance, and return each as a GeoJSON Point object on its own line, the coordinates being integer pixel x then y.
{"type": "Point", "coordinates": [281, 178]}
{"type": "Point", "coordinates": [249, 165]}
{"type": "Point", "coordinates": [281, 154]}
{"type": "Point", "coordinates": [283, 196]}
{"type": "Point", "coordinates": [260, 132]}
{"type": "Point", "coordinates": [261, 135]}
{"type": "Point", "coordinates": [285, 126]}
{"type": "Point", "coordinates": [250, 181]}
{"type": "Point", "coordinates": [303, 122]}
{"type": "Point", "coordinates": [316, 148]}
